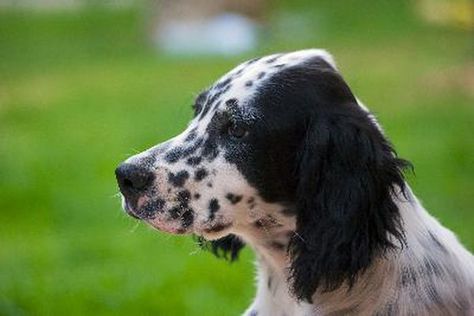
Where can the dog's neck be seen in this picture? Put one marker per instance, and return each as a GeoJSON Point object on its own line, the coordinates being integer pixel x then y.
{"type": "Point", "coordinates": [269, 239]}
{"type": "Point", "coordinates": [373, 291]}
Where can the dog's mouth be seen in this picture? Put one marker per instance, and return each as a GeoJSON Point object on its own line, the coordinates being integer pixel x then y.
{"type": "Point", "coordinates": [178, 220]}
{"type": "Point", "coordinates": [143, 212]}
{"type": "Point", "coordinates": [169, 227]}
{"type": "Point", "coordinates": [129, 209]}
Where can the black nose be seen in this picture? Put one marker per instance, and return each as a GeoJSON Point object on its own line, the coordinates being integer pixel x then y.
{"type": "Point", "coordinates": [133, 179]}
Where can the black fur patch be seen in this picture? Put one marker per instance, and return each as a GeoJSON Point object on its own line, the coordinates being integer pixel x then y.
{"type": "Point", "coordinates": [213, 208]}
{"type": "Point", "coordinates": [200, 174]}
{"type": "Point", "coordinates": [150, 209]}
{"type": "Point", "coordinates": [238, 73]}
{"type": "Point", "coordinates": [233, 198]}
{"type": "Point", "coordinates": [331, 162]}
{"type": "Point", "coordinates": [223, 84]}
{"type": "Point", "coordinates": [217, 228]}
{"type": "Point", "coordinates": [187, 218]}
{"type": "Point", "coordinates": [191, 136]}
{"type": "Point", "coordinates": [178, 179]}
{"type": "Point", "coordinates": [210, 150]}
{"type": "Point", "coordinates": [273, 59]}
{"type": "Point", "coordinates": [182, 210]}
{"type": "Point", "coordinates": [194, 161]}
{"type": "Point", "coordinates": [253, 60]}
{"type": "Point", "coordinates": [175, 212]}
{"type": "Point", "coordinates": [184, 197]}
{"type": "Point", "coordinates": [175, 154]}
{"type": "Point", "coordinates": [214, 99]}
{"type": "Point", "coordinates": [232, 102]}
{"type": "Point", "coordinates": [313, 148]}
{"type": "Point", "coordinates": [227, 247]}
{"type": "Point", "coordinates": [198, 104]}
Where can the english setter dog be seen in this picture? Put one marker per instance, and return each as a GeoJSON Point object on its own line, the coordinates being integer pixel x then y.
{"type": "Point", "coordinates": [281, 156]}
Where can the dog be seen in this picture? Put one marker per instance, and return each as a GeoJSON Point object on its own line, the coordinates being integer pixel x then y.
{"type": "Point", "coordinates": [281, 156]}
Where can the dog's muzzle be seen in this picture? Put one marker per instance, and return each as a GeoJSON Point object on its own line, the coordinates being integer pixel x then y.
{"type": "Point", "coordinates": [133, 182]}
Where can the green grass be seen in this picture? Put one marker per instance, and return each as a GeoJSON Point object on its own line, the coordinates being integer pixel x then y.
{"type": "Point", "coordinates": [79, 92]}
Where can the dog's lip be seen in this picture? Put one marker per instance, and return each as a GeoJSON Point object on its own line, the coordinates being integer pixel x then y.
{"type": "Point", "coordinates": [136, 215]}
{"type": "Point", "coordinates": [158, 225]}
{"type": "Point", "coordinates": [211, 231]}
{"type": "Point", "coordinates": [163, 227]}
{"type": "Point", "coordinates": [167, 226]}
{"type": "Point", "coordinates": [131, 213]}
{"type": "Point", "coordinates": [129, 210]}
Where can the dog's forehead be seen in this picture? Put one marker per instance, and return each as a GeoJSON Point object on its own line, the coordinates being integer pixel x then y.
{"type": "Point", "coordinates": [241, 83]}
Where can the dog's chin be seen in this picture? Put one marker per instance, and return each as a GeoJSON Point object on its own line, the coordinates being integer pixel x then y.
{"type": "Point", "coordinates": [158, 220]}
{"type": "Point", "coordinates": [208, 231]}
{"type": "Point", "coordinates": [170, 227]}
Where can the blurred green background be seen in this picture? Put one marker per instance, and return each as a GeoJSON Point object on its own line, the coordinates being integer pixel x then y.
{"type": "Point", "coordinates": [81, 90]}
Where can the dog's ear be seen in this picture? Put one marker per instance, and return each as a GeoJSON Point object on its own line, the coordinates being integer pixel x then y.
{"type": "Point", "coordinates": [227, 247]}
{"type": "Point", "coordinates": [348, 175]}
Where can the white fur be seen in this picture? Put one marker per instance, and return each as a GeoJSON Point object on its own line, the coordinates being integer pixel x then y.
{"type": "Point", "coordinates": [377, 288]}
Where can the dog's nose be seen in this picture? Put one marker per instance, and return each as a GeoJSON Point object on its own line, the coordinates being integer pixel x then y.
{"type": "Point", "coordinates": [133, 179]}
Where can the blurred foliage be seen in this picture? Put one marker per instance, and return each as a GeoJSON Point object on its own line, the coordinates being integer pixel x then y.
{"type": "Point", "coordinates": [82, 90]}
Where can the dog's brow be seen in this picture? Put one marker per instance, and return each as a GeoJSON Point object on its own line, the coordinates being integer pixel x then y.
{"type": "Point", "coordinates": [232, 109]}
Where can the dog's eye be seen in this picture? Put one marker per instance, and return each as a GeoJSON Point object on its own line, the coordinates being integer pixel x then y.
{"type": "Point", "coordinates": [237, 131]}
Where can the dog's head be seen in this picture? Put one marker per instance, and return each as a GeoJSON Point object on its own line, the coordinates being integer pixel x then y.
{"type": "Point", "coordinates": [280, 136]}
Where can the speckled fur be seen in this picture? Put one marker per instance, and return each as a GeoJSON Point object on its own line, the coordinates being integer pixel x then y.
{"type": "Point", "coordinates": [199, 187]}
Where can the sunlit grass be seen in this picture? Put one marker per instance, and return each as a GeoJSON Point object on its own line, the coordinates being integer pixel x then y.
{"type": "Point", "coordinates": [79, 92]}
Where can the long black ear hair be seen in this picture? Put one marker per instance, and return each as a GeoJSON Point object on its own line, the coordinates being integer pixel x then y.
{"type": "Point", "coordinates": [227, 247]}
{"type": "Point", "coordinates": [348, 175]}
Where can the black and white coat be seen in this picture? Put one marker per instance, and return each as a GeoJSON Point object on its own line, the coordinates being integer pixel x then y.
{"type": "Point", "coordinates": [281, 156]}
